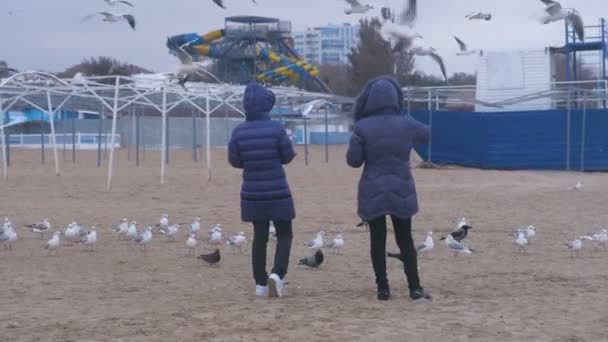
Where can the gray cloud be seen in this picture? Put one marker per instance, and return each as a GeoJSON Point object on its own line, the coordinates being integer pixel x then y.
{"type": "Point", "coordinates": [48, 34]}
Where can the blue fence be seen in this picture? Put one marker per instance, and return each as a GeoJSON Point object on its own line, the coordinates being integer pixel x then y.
{"type": "Point", "coordinates": [541, 140]}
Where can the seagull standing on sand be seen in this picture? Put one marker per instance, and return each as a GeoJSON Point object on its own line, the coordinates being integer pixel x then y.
{"type": "Point", "coordinates": [113, 18]}
{"type": "Point", "coordinates": [8, 237]}
{"type": "Point", "coordinates": [479, 15]}
{"type": "Point", "coordinates": [191, 243]}
{"type": "Point", "coordinates": [317, 242]}
{"type": "Point", "coordinates": [555, 12]}
{"type": "Point", "coordinates": [132, 231]}
{"type": "Point", "coordinates": [40, 227]}
{"type": "Point", "coordinates": [427, 245]}
{"type": "Point", "coordinates": [90, 240]}
{"type": "Point", "coordinates": [170, 232]}
{"type": "Point", "coordinates": [164, 221]}
{"type": "Point", "coordinates": [53, 244]}
{"type": "Point", "coordinates": [144, 238]}
{"type": "Point", "coordinates": [521, 241]}
{"type": "Point", "coordinates": [357, 8]}
{"type": "Point", "coordinates": [456, 246]}
{"type": "Point", "coordinates": [578, 186]}
{"type": "Point", "coordinates": [122, 228]}
{"type": "Point", "coordinates": [337, 244]}
{"type": "Point", "coordinates": [237, 241]}
{"type": "Point", "coordinates": [575, 246]}
{"type": "Point", "coordinates": [195, 226]}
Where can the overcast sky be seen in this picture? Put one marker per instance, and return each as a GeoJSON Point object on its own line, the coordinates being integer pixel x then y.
{"type": "Point", "coordinates": [48, 34]}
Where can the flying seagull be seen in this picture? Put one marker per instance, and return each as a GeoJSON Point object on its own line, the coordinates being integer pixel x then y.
{"type": "Point", "coordinates": [357, 8]}
{"type": "Point", "coordinates": [211, 258]}
{"type": "Point", "coordinates": [313, 261]}
{"type": "Point", "coordinates": [430, 52]}
{"type": "Point", "coordinates": [463, 49]}
{"type": "Point", "coordinates": [116, 2]}
{"type": "Point", "coordinates": [555, 12]}
{"type": "Point", "coordinates": [220, 3]}
{"type": "Point", "coordinates": [113, 18]}
{"type": "Point", "coordinates": [409, 14]}
{"type": "Point", "coordinates": [479, 15]}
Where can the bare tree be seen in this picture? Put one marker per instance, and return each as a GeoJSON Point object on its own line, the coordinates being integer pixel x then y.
{"type": "Point", "coordinates": [102, 66]}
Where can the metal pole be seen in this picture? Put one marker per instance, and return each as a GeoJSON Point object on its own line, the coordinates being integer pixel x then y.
{"type": "Point", "coordinates": [99, 123]}
{"type": "Point", "coordinates": [305, 142]}
{"type": "Point", "coordinates": [168, 141]}
{"type": "Point", "coordinates": [208, 122]}
{"type": "Point", "coordinates": [163, 154]}
{"type": "Point", "coordinates": [200, 151]}
{"type": "Point", "coordinates": [326, 135]}
{"type": "Point", "coordinates": [409, 105]}
{"type": "Point", "coordinates": [4, 150]}
{"type": "Point", "coordinates": [7, 141]}
{"type": "Point", "coordinates": [73, 140]}
{"type": "Point", "coordinates": [143, 140]}
{"type": "Point", "coordinates": [53, 136]}
{"type": "Point", "coordinates": [430, 106]}
{"type": "Point", "coordinates": [194, 139]}
{"type": "Point", "coordinates": [42, 136]}
{"type": "Point", "coordinates": [138, 116]}
{"type": "Point", "coordinates": [568, 124]}
{"type": "Point", "coordinates": [584, 132]}
{"type": "Point", "coordinates": [113, 137]}
{"type": "Point", "coordinates": [131, 132]}
{"type": "Point", "coordinates": [105, 138]}
{"type": "Point", "coordinates": [64, 134]}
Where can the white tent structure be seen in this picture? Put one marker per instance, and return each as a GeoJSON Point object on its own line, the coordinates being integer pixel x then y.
{"type": "Point", "coordinates": [50, 94]}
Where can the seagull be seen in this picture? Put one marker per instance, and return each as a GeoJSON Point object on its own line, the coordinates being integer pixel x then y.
{"type": "Point", "coordinates": [427, 245]}
{"type": "Point", "coordinates": [170, 231]}
{"type": "Point", "coordinates": [272, 231]}
{"type": "Point", "coordinates": [237, 242]}
{"type": "Point", "coordinates": [113, 18]}
{"type": "Point", "coordinates": [578, 186]}
{"type": "Point", "coordinates": [53, 243]}
{"type": "Point", "coordinates": [7, 223]}
{"type": "Point", "coordinates": [211, 258]}
{"type": "Point", "coordinates": [317, 242]}
{"type": "Point", "coordinates": [191, 243]}
{"type": "Point", "coordinates": [132, 231]}
{"type": "Point", "coordinates": [187, 67]}
{"type": "Point", "coordinates": [220, 3]}
{"type": "Point", "coordinates": [313, 261]}
{"type": "Point", "coordinates": [122, 228]}
{"type": "Point", "coordinates": [357, 8]}
{"type": "Point", "coordinates": [463, 48]}
{"type": "Point", "coordinates": [216, 228]}
{"type": "Point", "coordinates": [432, 53]}
{"type": "Point", "coordinates": [72, 232]}
{"type": "Point", "coordinates": [530, 232]}
{"type": "Point", "coordinates": [456, 246]}
{"type": "Point", "coordinates": [599, 239]}
{"type": "Point", "coordinates": [144, 238]}
{"type": "Point", "coordinates": [8, 237]}
{"type": "Point", "coordinates": [459, 234]}
{"type": "Point", "coordinates": [337, 244]}
{"type": "Point", "coordinates": [555, 12]}
{"type": "Point", "coordinates": [195, 226]}
{"type": "Point", "coordinates": [164, 221]}
{"type": "Point", "coordinates": [521, 241]}
{"type": "Point", "coordinates": [116, 2]}
{"type": "Point", "coordinates": [575, 246]}
{"type": "Point", "coordinates": [479, 15]}
{"type": "Point", "coordinates": [461, 223]}
{"type": "Point", "coordinates": [14, 10]}
{"type": "Point", "coordinates": [90, 240]}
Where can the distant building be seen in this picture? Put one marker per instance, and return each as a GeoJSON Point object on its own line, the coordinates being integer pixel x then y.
{"type": "Point", "coordinates": [330, 44]}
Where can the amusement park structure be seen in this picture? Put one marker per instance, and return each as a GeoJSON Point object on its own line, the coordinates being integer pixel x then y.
{"type": "Point", "coordinates": [251, 48]}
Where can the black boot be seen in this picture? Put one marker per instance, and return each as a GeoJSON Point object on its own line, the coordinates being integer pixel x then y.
{"type": "Point", "coordinates": [419, 293]}
{"type": "Point", "coordinates": [384, 293]}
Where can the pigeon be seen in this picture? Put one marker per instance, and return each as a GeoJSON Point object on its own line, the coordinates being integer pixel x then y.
{"type": "Point", "coordinates": [144, 238]}
{"type": "Point", "coordinates": [357, 8]}
{"type": "Point", "coordinates": [521, 241]}
{"type": "Point", "coordinates": [479, 15]}
{"type": "Point", "coordinates": [337, 243]}
{"type": "Point", "coordinates": [575, 246]}
{"type": "Point", "coordinates": [427, 245]}
{"type": "Point", "coordinates": [272, 231]}
{"type": "Point", "coordinates": [195, 226]}
{"type": "Point", "coordinates": [53, 243]}
{"type": "Point", "coordinates": [555, 12]}
{"type": "Point", "coordinates": [132, 231]}
{"type": "Point", "coordinates": [170, 232]}
{"type": "Point", "coordinates": [122, 228]}
{"type": "Point", "coordinates": [113, 18]}
{"type": "Point", "coordinates": [211, 258]}
{"type": "Point", "coordinates": [460, 233]}
{"type": "Point", "coordinates": [116, 2]}
{"type": "Point", "coordinates": [317, 242]}
{"type": "Point", "coordinates": [432, 53]}
{"type": "Point", "coordinates": [463, 48]}
{"type": "Point", "coordinates": [313, 261]}
{"type": "Point", "coordinates": [237, 242]}
{"type": "Point", "coordinates": [191, 243]}
{"type": "Point", "coordinates": [456, 246]}
{"type": "Point", "coordinates": [8, 237]}
{"type": "Point", "coordinates": [90, 240]}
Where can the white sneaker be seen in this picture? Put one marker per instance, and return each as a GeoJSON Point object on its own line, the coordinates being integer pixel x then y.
{"type": "Point", "coordinates": [275, 286]}
{"type": "Point", "coordinates": [261, 291]}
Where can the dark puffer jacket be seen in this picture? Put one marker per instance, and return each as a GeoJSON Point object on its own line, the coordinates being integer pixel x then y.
{"type": "Point", "coordinates": [382, 140]}
{"type": "Point", "coordinates": [261, 147]}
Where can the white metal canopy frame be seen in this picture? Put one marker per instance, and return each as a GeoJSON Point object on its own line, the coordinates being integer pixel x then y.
{"type": "Point", "coordinates": [50, 94]}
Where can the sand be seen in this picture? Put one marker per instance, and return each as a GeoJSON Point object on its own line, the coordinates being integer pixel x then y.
{"type": "Point", "coordinates": [121, 294]}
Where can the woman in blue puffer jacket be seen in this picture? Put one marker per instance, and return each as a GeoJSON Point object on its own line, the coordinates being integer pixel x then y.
{"type": "Point", "coordinates": [382, 141]}
{"type": "Point", "coordinates": [261, 147]}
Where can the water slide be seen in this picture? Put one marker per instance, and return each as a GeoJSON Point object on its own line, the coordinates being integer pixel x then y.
{"type": "Point", "coordinates": [291, 67]}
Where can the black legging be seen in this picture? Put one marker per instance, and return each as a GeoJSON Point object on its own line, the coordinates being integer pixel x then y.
{"type": "Point", "coordinates": [403, 236]}
{"type": "Point", "coordinates": [281, 254]}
